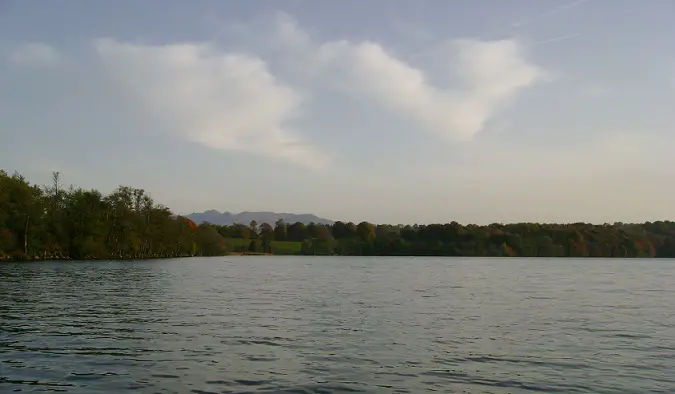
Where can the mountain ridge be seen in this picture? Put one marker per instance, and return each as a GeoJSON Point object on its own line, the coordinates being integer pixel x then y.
{"type": "Point", "coordinates": [245, 217]}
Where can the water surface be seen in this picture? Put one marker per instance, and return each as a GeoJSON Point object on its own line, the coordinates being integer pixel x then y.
{"type": "Point", "coordinates": [330, 325]}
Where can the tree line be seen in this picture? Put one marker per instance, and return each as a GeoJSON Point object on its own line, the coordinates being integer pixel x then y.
{"type": "Point", "coordinates": [55, 222]}
{"type": "Point", "coordinates": [650, 239]}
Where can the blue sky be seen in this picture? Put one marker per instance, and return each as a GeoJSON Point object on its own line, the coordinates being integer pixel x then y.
{"type": "Point", "coordinates": [386, 111]}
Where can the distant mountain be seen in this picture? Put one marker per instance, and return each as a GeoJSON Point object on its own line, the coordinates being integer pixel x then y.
{"type": "Point", "coordinates": [227, 218]}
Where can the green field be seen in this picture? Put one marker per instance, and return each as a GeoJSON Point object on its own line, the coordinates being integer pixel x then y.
{"type": "Point", "coordinates": [278, 247]}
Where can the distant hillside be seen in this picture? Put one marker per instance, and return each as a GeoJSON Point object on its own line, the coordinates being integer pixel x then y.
{"type": "Point", "coordinates": [226, 218]}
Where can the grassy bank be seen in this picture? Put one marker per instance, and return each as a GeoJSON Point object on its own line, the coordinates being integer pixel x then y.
{"type": "Point", "coordinates": [241, 246]}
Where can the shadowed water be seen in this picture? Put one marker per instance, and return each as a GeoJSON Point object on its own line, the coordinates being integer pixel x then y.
{"type": "Point", "coordinates": [331, 325]}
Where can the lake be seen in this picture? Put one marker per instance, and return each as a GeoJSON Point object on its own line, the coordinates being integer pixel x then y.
{"type": "Point", "coordinates": [334, 324]}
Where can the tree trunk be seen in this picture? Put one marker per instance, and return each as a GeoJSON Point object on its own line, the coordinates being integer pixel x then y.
{"type": "Point", "coordinates": [25, 236]}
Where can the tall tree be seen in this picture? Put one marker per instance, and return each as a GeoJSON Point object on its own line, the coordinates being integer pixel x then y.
{"type": "Point", "coordinates": [280, 230]}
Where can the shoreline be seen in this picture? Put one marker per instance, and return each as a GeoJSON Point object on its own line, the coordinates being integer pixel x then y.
{"type": "Point", "coordinates": [35, 259]}
{"type": "Point", "coordinates": [4, 259]}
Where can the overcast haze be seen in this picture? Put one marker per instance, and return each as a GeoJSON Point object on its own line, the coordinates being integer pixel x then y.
{"type": "Point", "coordinates": [386, 111]}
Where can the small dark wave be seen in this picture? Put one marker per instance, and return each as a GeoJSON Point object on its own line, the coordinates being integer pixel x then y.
{"type": "Point", "coordinates": [164, 376]}
{"type": "Point", "coordinates": [630, 336]}
{"type": "Point", "coordinates": [460, 376]}
{"type": "Point", "coordinates": [261, 359]}
{"type": "Point", "coordinates": [250, 382]}
{"type": "Point", "coordinates": [399, 374]}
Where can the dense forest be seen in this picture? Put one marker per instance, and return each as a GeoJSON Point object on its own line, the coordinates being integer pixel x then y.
{"type": "Point", "coordinates": [54, 222]}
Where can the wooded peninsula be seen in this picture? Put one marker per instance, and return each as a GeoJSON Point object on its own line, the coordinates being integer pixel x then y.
{"type": "Point", "coordinates": [54, 222]}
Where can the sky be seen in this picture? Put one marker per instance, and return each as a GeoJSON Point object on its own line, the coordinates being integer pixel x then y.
{"type": "Point", "coordinates": [388, 111]}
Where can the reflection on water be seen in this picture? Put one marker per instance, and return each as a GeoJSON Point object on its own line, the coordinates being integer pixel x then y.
{"type": "Point", "coordinates": [328, 325]}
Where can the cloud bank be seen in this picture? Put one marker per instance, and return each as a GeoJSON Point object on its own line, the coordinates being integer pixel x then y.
{"type": "Point", "coordinates": [492, 74]}
{"type": "Point", "coordinates": [233, 101]}
{"type": "Point", "coordinates": [226, 101]}
{"type": "Point", "coordinates": [488, 75]}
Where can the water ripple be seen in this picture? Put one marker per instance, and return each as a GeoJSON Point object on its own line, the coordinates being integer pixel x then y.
{"type": "Point", "coordinates": [338, 325]}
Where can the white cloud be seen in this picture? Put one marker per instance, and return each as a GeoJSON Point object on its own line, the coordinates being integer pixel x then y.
{"type": "Point", "coordinates": [491, 75]}
{"type": "Point", "coordinates": [35, 54]}
{"type": "Point", "coordinates": [224, 101]}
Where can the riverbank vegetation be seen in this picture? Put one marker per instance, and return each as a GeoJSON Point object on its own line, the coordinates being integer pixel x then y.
{"type": "Point", "coordinates": [54, 222]}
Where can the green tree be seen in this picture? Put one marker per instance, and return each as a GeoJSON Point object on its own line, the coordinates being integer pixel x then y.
{"type": "Point", "coordinates": [280, 230]}
{"type": "Point", "coordinates": [366, 232]}
{"type": "Point", "coordinates": [266, 236]}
